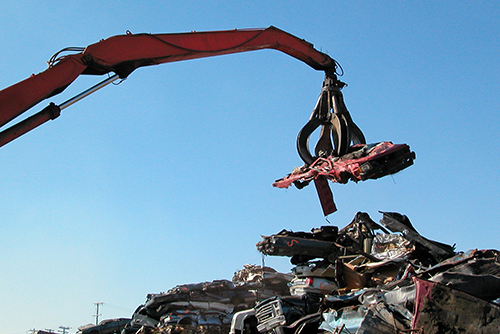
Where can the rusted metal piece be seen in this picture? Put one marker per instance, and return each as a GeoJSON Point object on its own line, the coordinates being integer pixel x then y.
{"type": "Point", "coordinates": [441, 309]}
{"type": "Point", "coordinates": [325, 195]}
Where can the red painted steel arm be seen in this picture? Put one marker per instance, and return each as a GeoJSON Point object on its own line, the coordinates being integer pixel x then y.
{"type": "Point", "coordinates": [123, 54]}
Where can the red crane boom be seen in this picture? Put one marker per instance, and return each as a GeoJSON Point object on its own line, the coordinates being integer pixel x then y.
{"type": "Point", "coordinates": [124, 53]}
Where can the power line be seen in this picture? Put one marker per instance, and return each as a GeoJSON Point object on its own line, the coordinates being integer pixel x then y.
{"type": "Point", "coordinates": [120, 307]}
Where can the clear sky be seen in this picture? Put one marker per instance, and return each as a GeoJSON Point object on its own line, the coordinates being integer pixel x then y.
{"type": "Point", "coordinates": [166, 178]}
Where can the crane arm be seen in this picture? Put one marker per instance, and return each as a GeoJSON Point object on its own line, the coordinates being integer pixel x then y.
{"type": "Point", "coordinates": [124, 53]}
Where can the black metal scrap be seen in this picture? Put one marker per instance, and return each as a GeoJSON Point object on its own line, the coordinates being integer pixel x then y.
{"type": "Point", "coordinates": [397, 222]}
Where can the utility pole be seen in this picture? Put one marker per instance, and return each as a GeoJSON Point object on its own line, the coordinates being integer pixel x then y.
{"type": "Point", "coordinates": [64, 329]}
{"type": "Point", "coordinates": [96, 315]}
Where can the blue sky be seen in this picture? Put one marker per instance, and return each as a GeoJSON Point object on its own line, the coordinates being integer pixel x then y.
{"type": "Point", "coordinates": [166, 178]}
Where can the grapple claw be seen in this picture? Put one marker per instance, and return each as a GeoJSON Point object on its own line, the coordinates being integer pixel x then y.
{"type": "Point", "coordinates": [337, 127]}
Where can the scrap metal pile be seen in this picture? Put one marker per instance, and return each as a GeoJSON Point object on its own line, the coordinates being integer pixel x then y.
{"type": "Point", "coordinates": [207, 307]}
{"type": "Point", "coordinates": [369, 280]}
{"type": "Point", "coordinates": [367, 277]}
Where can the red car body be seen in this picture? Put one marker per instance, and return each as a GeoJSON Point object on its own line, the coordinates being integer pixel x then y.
{"type": "Point", "coordinates": [363, 162]}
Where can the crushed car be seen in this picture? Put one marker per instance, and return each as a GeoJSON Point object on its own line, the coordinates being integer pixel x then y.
{"type": "Point", "coordinates": [208, 307]}
{"type": "Point", "coordinates": [108, 326]}
{"type": "Point", "coordinates": [361, 162]}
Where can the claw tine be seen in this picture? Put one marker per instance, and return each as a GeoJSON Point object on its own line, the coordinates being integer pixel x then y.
{"type": "Point", "coordinates": [324, 145]}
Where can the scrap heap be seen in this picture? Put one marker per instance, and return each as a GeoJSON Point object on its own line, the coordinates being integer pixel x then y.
{"type": "Point", "coordinates": [207, 307]}
{"type": "Point", "coordinates": [366, 279]}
